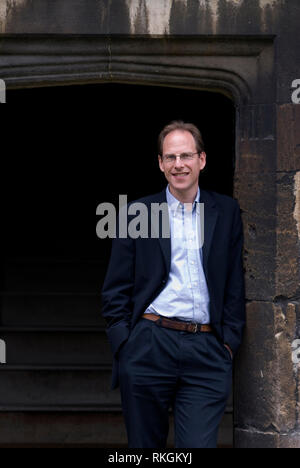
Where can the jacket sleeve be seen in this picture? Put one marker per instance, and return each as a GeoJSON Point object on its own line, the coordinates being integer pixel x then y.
{"type": "Point", "coordinates": [117, 291]}
{"type": "Point", "coordinates": [234, 303]}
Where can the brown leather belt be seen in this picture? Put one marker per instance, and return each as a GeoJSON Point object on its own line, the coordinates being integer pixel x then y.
{"type": "Point", "coordinates": [184, 326]}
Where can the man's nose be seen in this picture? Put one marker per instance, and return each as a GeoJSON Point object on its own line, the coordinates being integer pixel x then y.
{"type": "Point", "coordinates": [178, 162]}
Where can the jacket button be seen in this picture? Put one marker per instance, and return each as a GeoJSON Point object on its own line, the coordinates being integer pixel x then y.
{"type": "Point", "coordinates": [164, 281]}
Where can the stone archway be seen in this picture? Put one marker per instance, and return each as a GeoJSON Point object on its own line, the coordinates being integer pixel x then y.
{"type": "Point", "coordinates": [242, 68]}
{"type": "Point", "coordinates": [60, 252]}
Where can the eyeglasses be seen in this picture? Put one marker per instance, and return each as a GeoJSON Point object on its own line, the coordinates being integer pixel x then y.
{"type": "Point", "coordinates": [171, 158]}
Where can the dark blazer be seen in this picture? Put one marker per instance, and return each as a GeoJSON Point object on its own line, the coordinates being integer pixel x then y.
{"type": "Point", "coordinates": [138, 271]}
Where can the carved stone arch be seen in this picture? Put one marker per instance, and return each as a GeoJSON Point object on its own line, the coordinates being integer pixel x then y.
{"type": "Point", "coordinates": [242, 67]}
{"type": "Point", "coordinates": [237, 65]}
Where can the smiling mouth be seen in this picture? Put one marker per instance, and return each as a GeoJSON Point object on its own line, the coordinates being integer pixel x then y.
{"type": "Point", "coordinates": [183, 174]}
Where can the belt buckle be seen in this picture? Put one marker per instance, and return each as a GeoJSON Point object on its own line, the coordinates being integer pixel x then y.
{"type": "Point", "coordinates": [195, 329]}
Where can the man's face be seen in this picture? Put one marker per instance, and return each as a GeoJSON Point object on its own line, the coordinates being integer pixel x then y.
{"type": "Point", "coordinates": [182, 175]}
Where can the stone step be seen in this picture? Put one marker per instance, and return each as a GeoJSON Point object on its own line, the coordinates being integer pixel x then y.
{"type": "Point", "coordinates": [63, 388]}
{"type": "Point", "coordinates": [53, 388]}
{"type": "Point", "coordinates": [57, 347]}
{"type": "Point", "coordinates": [47, 275]}
{"type": "Point", "coordinates": [51, 309]}
{"type": "Point", "coordinates": [73, 429]}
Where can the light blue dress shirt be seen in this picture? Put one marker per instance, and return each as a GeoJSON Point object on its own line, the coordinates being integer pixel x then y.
{"type": "Point", "coordinates": [186, 295]}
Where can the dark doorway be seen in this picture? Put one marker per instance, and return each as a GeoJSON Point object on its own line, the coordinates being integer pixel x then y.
{"type": "Point", "coordinates": [73, 147]}
{"type": "Point", "coordinates": [70, 148]}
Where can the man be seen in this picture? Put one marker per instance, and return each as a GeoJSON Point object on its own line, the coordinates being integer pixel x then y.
{"type": "Point", "coordinates": [174, 307]}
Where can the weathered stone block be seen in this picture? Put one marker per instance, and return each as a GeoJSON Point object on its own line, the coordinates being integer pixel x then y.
{"type": "Point", "coordinates": [291, 440]}
{"type": "Point", "coordinates": [255, 439]}
{"type": "Point", "coordinates": [257, 146]}
{"type": "Point", "coordinates": [265, 384]}
{"type": "Point", "coordinates": [288, 137]}
{"type": "Point", "coordinates": [256, 194]}
{"type": "Point", "coordinates": [288, 235]}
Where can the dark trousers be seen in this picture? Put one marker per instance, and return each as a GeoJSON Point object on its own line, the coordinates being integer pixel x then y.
{"type": "Point", "coordinates": [161, 368]}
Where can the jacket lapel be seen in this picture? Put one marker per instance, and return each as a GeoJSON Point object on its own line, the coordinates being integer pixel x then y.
{"type": "Point", "coordinates": [164, 242]}
{"type": "Point", "coordinates": [210, 219]}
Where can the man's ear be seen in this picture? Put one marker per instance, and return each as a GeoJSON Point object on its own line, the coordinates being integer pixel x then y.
{"type": "Point", "coordinates": [160, 163]}
{"type": "Point", "coordinates": [203, 160]}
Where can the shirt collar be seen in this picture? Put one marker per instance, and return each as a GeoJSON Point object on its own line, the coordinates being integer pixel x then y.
{"type": "Point", "coordinates": [175, 204]}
